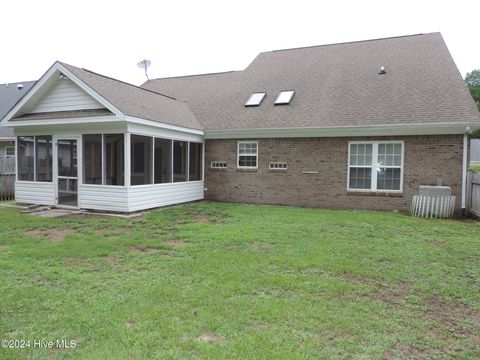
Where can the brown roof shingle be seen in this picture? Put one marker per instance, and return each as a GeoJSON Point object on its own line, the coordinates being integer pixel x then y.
{"type": "Point", "coordinates": [335, 85]}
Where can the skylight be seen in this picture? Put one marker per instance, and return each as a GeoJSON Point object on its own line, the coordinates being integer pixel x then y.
{"type": "Point", "coordinates": [284, 97]}
{"type": "Point", "coordinates": [255, 99]}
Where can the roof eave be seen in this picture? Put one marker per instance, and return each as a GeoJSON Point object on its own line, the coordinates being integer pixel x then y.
{"type": "Point", "coordinates": [343, 131]}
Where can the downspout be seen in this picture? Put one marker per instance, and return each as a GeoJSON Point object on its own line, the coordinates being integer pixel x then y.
{"type": "Point", "coordinates": [464, 169]}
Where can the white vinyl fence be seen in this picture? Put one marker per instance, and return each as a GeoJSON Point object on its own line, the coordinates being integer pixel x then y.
{"type": "Point", "coordinates": [473, 193]}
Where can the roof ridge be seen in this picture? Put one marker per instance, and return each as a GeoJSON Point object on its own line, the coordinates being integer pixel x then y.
{"type": "Point", "coordinates": [192, 75]}
{"type": "Point", "coordinates": [352, 42]}
{"type": "Point", "coordinates": [126, 83]}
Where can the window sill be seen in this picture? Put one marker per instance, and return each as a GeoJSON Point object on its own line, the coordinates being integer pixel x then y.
{"type": "Point", "coordinates": [375, 193]}
{"type": "Point", "coordinates": [247, 169]}
{"type": "Point", "coordinates": [218, 169]}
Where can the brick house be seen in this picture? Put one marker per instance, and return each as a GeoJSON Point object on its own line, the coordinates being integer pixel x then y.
{"type": "Point", "coordinates": [356, 125]}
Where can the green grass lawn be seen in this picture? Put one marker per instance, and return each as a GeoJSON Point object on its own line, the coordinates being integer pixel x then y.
{"type": "Point", "coordinates": [227, 281]}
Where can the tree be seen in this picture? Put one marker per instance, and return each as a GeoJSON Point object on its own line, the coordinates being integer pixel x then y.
{"type": "Point", "coordinates": [472, 79]}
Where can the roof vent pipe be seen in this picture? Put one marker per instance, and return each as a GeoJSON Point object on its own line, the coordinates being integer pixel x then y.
{"type": "Point", "coordinates": [382, 70]}
{"type": "Point", "coordinates": [19, 87]}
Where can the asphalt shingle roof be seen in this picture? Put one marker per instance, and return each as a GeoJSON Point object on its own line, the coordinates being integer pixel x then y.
{"type": "Point", "coordinates": [9, 96]}
{"type": "Point", "coordinates": [136, 101]}
{"type": "Point", "coordinates": [335, 85]}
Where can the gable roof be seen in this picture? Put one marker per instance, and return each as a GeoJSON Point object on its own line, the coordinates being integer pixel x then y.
{"type": "Point", "coordinates": [136, 101]}
{"type": "Point", "coordinates": [120, 98]}
{"type": "Point", "coordinates": [336, 85]}
{"type": "Point", "coordinates": [9, 95]}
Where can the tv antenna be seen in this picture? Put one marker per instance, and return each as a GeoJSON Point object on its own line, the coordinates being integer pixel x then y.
{"type": "Point", "coordinates": [144, 64]}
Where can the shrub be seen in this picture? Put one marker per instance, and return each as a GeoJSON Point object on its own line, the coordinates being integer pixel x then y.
{"type": "Point", "coordinates": [475, 167]}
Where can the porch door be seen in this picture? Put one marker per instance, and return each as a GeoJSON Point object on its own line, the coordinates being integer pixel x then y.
{"type": "Point", "coordinates": [67, 179]}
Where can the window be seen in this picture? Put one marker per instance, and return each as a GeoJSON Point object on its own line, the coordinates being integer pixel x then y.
{"type": "Point", "coordinates": [195, 162]}
{"type": "Point", "coordinates": [114, 159]}
{"type": "Point", "coordinates": [92, 159]}
{"type": "Point", "coordinates": [141, 157]}
{"type": "Point", "coordinates": [25, 151]}
{"type": "Point", "coordinates": [255, 99]}
{"type": "Point", "coordinates": [375, 166]}
{"type": "Point", "coordinates": [277, 165]}
{"type": "Point", "coordinates": [163, 161]}
{"type": "Point", "coordinates": [218, 164]}
{"type": "Point", "coordinates": [43, 155]}
{"type": "Point", "coordinates": [284, 97]}
{"type": "Point", "coordinates": [180, 149]}
{"type": "Point", "coordinates": [9, 151]}
{"type": "Point", "coordinates": [247, 154]}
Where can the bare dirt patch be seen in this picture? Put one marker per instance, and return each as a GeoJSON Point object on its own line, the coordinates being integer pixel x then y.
{"type": "Point", "coordinates": [458, 318]}
{"type": "Point", "coordinates": [207, 337]}
{"type": "Point", "coordinates": [393, 295]}
{"type": "Point", "coordinates": [109, 232]}
{"type": "Point", "coordinates": [112, 260]}
{"type": "Point", "coordinates": [262, 247]}
{"type": "Point", "coordinates": [208, 218]}
{"type": "Point", "coordinates": [56, 235]}
{"type": "Point", "coordinates": [131, 325]}
{"type": "Point", "coordinates": [143, 250]}
{"type": "Point", "coordinates": [439, 244]}
{"type": "Point", "coordinates": [404, 351]}
{"type": "Point", "coordinates": [199, 218]}
{"type": "Point", "coordinates": [177, 243]}
{"type": "Point", "coordinates": [3, 248]}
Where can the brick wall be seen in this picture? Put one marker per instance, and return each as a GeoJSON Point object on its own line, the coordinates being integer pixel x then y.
{"type": "Point", "coordinates": [426, 159]}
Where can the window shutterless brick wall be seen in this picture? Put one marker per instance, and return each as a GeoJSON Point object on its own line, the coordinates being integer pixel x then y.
{"type": "Point", "coordinates": [317, 172]}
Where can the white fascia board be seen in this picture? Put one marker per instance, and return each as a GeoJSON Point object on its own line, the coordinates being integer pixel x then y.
{"type": "Point", "coordinates": [43, 80]}
{"type": "Point", "coordinates": [63, 121]}
{"type": "Point", "coordinates": [157, 124]}
{"type": "Point", "coordinates": [343, 131]}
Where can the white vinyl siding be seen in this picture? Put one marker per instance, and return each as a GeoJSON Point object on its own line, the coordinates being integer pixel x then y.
{"type": "Point", "coordinates": [375, 166]}
{"type": "Point", "coordinates": [103, 197]}
{"type": "Point", "coordinates": [150, 196]}
{"type": "Point", "coordinates": [65, 96]}
{"type": "Point", "coordinates": [35, 193]}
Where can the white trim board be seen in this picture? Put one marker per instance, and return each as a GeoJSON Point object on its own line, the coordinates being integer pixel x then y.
{"type": "Point", "coordinates": [344, 131]}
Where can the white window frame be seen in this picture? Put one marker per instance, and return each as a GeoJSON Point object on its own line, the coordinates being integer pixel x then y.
{"type": "Point", "coordinates": [375, 166]}
{"type": "Point", "coordinates": [215, 164]}
{"type": "Point", "coordinates": [10, 147]}
{"type": "Point", "coordinates": [278, 165]}
{"type": "Point", "coordinates": [238, 155]}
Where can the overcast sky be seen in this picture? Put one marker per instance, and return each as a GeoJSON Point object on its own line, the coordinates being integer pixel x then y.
{"type": "Point", "coordinates": [188, 37]}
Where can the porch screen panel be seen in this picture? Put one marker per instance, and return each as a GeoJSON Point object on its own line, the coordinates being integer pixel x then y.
{"type": "Point", "coordinates": [163, 161]}
{"type": "Point", "coordinates": [180, 150]}
{"type": "Point", "coordinates": [195, 163]}
{"type": "Point", "coordinates": [25, 153]}
{"type": "Point", "coordinates": [43, 153]}
{"type": "Point", "coordinates": [92, 159]}
{"type": "Point", "coordinates": [114, 159]}
{"type": "Point", "coordinates": [141, 158]}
